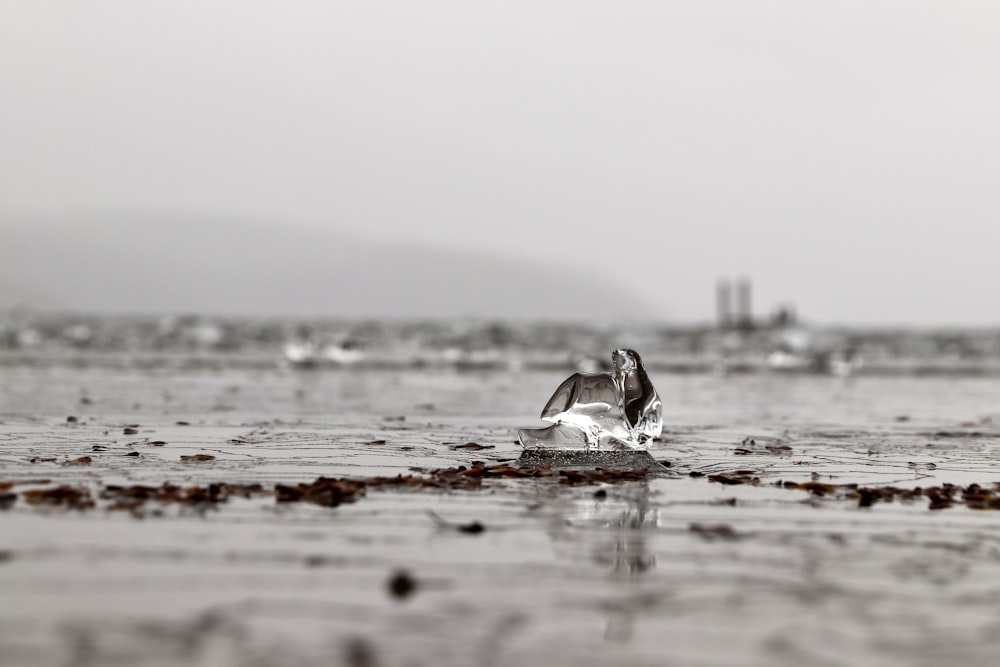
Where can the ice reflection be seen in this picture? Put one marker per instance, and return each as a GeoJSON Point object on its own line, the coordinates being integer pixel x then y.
{"type": "Point", "coordinates": [609, 527]}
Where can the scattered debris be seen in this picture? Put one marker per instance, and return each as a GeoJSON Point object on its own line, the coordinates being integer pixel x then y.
{"type": "Point", "coordinates": [73, 497]}
{"type": "Point", "coordinates": [718, 531]}
{"type": "Point", "coordinates": [359, 652]}
{"type": "Point", "coordinates": [401, 585]}
{"type": "Point", "coordinates": [940, 497]}
{"type": "Point", "coordinates": [749, 446]}
{"type": "Point", "coordinates": [472, 446]}
{"type": "Point", "coordinates": [813, 487]}
{"type": "Point", "coordinates": [734, 478]}
{"type": "Point", "coordinates": [866, 498]}
{"type": "Point", "coordinates": [331, 492]}
{"type": "Point", "coordinates": [325, 491]}
{"type": "Point", "coordinates": [132, 498]}
{"type": "Point", "coordinates": [472, 528]}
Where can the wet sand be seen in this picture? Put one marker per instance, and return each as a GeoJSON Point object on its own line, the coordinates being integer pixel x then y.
{"type": "Point", "coordinates": [667, 570]}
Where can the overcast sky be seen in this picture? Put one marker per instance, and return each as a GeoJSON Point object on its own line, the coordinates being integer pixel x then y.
{"type": "Point", "coordinates": [845, 155]}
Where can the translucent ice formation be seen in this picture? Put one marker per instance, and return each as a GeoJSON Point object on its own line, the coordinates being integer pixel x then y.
{"type": "Point", "coordinates": [617, 410]}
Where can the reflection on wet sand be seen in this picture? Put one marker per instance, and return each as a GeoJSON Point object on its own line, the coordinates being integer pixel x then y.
{"type": "Point", "coordinates": [607, 527]}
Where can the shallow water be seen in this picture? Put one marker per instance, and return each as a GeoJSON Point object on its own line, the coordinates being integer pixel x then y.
{"type": "Point", "coordinates": [560, 576]}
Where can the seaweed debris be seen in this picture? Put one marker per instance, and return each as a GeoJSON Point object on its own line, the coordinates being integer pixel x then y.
{"type": "Point", "coordinates": [64, 495]}
{"type": "Point", "coordinates": [325, 491]}
{"type": "Point", "coordinates": [133, 498]}
{"type": "Point", "coordinates": [331, 492]}
{"type": "Point", "coordinates": [738, 477]}
{"type": "Point", "coordinates": [471, 477]}
{"type": "Point", "coordinates": [973, 496]}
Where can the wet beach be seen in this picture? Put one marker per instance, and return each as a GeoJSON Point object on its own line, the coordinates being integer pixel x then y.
{"type": "Point", "coordinates": [302, 305]}
{"type": "Point", "coordinates": [756, 548]}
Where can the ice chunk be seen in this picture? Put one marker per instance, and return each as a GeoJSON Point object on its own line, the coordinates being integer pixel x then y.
{"type": "Point", "coordinates": [617, 410]}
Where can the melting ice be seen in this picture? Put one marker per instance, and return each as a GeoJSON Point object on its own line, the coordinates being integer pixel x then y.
{"type": "Point", "coordinates": [617, 410]}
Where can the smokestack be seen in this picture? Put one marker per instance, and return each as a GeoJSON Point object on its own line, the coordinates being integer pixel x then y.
{"type": "Point", "coordinates": [723, 303]}
{"type": "Point", "coordinates": [744, 308]}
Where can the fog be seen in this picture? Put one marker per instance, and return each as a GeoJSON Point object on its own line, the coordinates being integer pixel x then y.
{"type": "Point", "coordinates": [842, 155]}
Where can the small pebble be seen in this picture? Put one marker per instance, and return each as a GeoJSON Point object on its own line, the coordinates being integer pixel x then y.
{"type": "Point", "coordinates": [401, 584]}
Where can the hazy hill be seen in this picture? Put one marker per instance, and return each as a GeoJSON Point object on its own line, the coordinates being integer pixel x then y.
{"type": "Point", "coordinates": [160, 265]}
